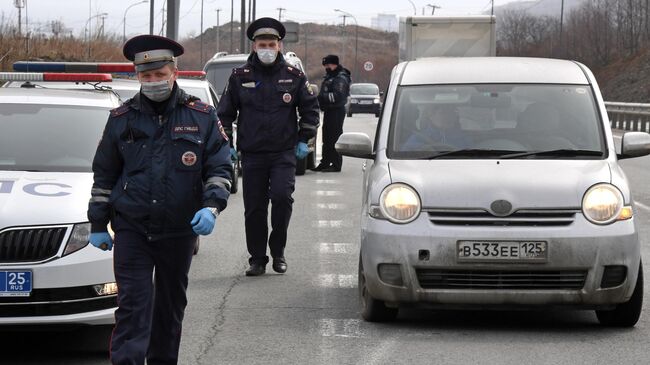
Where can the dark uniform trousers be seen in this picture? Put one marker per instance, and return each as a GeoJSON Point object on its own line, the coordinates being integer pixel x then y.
{"type": "Point", "coordinates": [332, 129]}
{"type": "Point", "coordinates": [134, 259]}
{"type": "Point", "coordinates": [267, 176]}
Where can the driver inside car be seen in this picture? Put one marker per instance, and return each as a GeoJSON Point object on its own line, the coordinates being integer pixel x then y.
{"type": "Point", "coordinates": [439, 127]}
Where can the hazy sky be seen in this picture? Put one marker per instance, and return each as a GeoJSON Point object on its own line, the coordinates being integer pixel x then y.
{"type": "Point", "coordinates": [75, 13]}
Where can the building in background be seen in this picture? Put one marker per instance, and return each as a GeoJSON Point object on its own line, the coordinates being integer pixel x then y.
{"type": "Point", "coordinates": [385, 22]}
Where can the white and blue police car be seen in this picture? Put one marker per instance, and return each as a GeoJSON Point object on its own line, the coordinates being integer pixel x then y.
{"type": "Point", "coordinates": [49, 274]}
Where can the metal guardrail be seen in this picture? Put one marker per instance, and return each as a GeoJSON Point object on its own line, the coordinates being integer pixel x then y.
{"type": "Point", "coordinates": [629, 116]}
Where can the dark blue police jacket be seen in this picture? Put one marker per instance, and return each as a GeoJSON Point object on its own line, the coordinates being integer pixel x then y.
{"type": "Point", "coordinates": [266, 98]}
{"type": "Point", "coordinates": [154, 172]}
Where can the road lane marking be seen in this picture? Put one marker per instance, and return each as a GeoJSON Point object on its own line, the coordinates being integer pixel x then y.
{"type": "Point", "coordinates": [332, 206]}
{"type": "Point", "coordinates": [326, 248]}
{"type": "Point", "coordinates": [337, 281]}
{"type": "Point", "coordinates": [330, 224]}
{"type": "Point", "coordinates": [329, 327]}
{"type": "Point", "coordinates": [327, 181]}
{"type": "Point", "coordinates": [642, 206]}
{"type": "Point", "coordinates": [328, 193]}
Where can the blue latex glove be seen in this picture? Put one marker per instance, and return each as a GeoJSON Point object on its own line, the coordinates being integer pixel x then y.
{"type": "Point", "coordinates": [302, 150]}
{"type": "Point", "coordinates": [203, 222]}
{"type": "Point", "coordinates": [101, 240]}
{"type": "Point", "coordinates": [233, 154]}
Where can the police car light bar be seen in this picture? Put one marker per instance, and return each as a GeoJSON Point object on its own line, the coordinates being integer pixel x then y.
{"type": "Point", "coordinates": [198, 74]}
{"type": "Point", "coordinates": [49, 76]}
{"type": "Point", "coordinates": [78, 67]}
{"type": "Point", "coordinates": [108, 67]}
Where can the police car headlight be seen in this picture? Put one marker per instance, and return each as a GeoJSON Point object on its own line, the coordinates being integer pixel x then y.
{"type": "Point", "coordinates": [375, 101]}
{"type": "Point", "coordinates": [603, 204]}
{"type": "Point", "coordinates": [78, 239]}
{"type": "Point", "coordinates": [399, 203]}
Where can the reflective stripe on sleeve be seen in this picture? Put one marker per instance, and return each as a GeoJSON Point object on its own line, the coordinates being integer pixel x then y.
{"type": "Point", "coordinates": [98, 191]}
{"type": "Point", "coordinates": [99, 199]}
{"type": "Point", "coordinates": [217, 181]}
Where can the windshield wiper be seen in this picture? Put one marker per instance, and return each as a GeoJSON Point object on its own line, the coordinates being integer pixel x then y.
{"type": "Point", "coordinates": [471, 152]}
{"type": "Point", "coordinates": [563, 152]}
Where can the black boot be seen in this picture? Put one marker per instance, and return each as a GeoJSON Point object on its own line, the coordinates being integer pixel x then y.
{"type": "Point", "coordinates": [279, 265]}
{"type": "Point", "coordinates": [256, 270]}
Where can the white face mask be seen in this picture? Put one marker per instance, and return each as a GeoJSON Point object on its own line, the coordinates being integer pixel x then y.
{"type": "Point", "coordinates": [267, 55]}
{"type": "Point", "coordinates": [156, 90]}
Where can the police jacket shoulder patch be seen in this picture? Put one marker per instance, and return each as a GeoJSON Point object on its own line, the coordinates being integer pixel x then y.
{"type": "Point", "coordinates": [198, 105]}
{"type": "Point", "coordinates": [122, 109]}
{"type": "Point", "coordinates": [295, 71]}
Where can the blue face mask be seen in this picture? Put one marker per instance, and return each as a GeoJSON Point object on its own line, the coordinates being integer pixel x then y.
{"type": "Point", "coordinates": [156, 90]}
{"type": "Point", "coordinates": [266, 55]}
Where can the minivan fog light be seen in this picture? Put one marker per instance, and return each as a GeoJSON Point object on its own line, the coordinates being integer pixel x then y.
{"type": "Point", "coordinates": [399, 203]}
{"type": "Point", "coordinates": [602, 204]}
{"type": "Point", "coordinates": [105, 289]}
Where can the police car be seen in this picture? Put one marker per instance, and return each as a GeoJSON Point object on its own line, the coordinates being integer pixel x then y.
{"type": "Point", "coordinates": [123, 85]}
{"type": "Point", "coordinates": [218, 70]}
{"type": "Point", "coordinates": [49, 274]}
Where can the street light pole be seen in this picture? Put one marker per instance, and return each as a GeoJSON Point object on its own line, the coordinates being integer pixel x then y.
{"type": "Point", "coordinates": [201, 38]}
{"type": "Point", "coordinates": [218, 11]}
{"type": "Point", "coordinates": [415, 10]}
{"type": "Point", "coordinates": [124, 19]}
{"type": "Point", "coordinates": [356, 36]}
{"type": "Point", "coordinates": [433, 8]}
{"type": "Point", "coordinates": [87, 27]}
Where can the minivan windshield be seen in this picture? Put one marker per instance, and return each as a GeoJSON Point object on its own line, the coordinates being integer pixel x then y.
{"type": "Point", "coordinates": [364, 89]}
{"type": "Point", "coordinates": [496, 121]}
{"type": "Point", "coordinates": [51, 138]}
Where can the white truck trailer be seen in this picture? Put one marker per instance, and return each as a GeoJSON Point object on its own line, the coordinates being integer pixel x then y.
{"type": "Point", "coordinates": [448, 36]}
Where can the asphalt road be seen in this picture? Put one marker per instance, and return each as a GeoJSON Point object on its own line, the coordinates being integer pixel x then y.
{"type": "Point", "coordinates": [310, 315]}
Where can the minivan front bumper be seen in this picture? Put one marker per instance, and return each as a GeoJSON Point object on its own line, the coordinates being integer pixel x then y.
{"type": "Point", "coordinates": [426, 255]}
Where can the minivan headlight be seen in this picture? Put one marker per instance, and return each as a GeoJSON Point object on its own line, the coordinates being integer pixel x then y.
{"type": "Point", "coordinates": [603, 204]}
{"type": "Point", "coordinates": [399, 203]}
{"type": "Point", "coordinates": [78, 239]}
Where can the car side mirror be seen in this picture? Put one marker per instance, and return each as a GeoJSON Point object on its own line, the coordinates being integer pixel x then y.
{"type": "Point", "coordinates": [354, 144]}
{"type": "Point", "coordinates": [634, 144]}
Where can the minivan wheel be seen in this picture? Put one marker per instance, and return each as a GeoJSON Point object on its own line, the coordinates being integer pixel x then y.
{"type": "Point", "coordinates": [625, 314]}
{"type": "Point", "coordinates": [349, 114]}
{"type": "Point", "coordinates": [372, 310]}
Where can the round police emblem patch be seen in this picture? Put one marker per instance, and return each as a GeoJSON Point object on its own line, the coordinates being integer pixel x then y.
{"type": "Point", "coordinates": [188, 158]}
{"type": "Point", "coordinates": [286, 98]}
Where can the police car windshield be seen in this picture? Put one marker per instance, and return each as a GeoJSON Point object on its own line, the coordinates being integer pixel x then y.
{"type": "Point", "coordinates": [218, 74]}
{"type": "Point", "coordinates": [51, 138]}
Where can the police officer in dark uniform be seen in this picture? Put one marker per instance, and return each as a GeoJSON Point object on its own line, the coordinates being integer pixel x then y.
{"type": "Point", "coordinates": [332, 98]}
{"type": "Point", "coordinates": [162, 174]}
{"type": "Point", "coordinates": [263, 95]}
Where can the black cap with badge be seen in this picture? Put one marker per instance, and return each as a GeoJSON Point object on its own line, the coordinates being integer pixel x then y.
{"type": "Point", "coordinates": [266, 27]}
{"type": "Point", "coordinates": [150, 52]}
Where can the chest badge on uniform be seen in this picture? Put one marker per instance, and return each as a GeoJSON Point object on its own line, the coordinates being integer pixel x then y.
{"type": "Point", "coordinates": [286, 98]}
{"type": "Point", "coordinates": [189, 158]}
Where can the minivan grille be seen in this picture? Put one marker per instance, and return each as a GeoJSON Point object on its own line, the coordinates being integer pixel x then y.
{"type": "Point", "coordinates": [478, 217]}
{"type": "Point", "coordinates": [501, 279]}
{"type": "Point", "coordinates": [30, 244]}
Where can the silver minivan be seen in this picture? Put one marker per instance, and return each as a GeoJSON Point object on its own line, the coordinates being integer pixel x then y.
{"type": "Point", "coordinates": [494, 183]}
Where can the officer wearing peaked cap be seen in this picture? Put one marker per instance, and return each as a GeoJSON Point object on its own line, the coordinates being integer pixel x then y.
{"type": "Point", "coordinates": [276, 113]}
{"type": "Point", "coordinates": [162, 174]}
